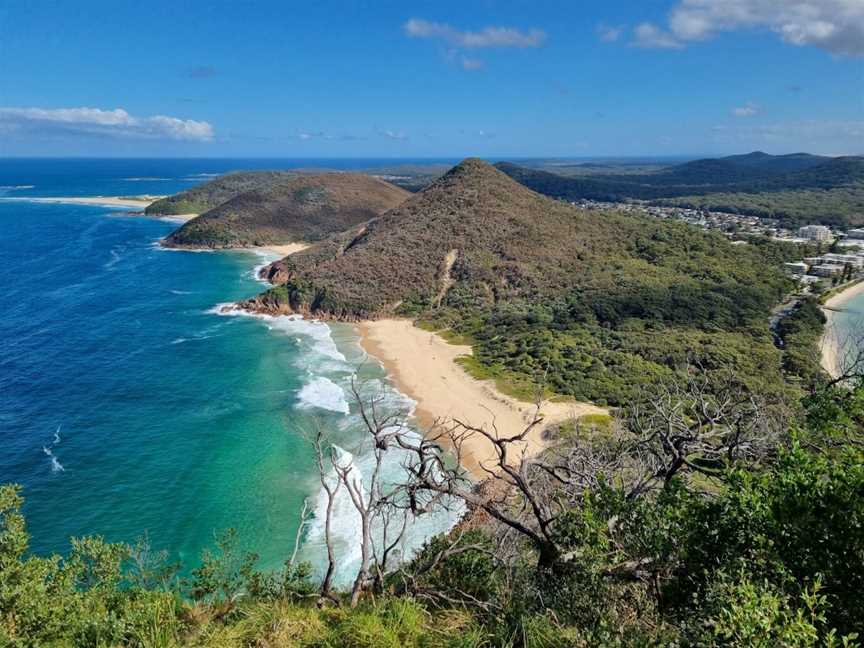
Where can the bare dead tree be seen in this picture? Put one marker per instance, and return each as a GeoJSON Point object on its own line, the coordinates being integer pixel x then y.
{"type": "Point", "coordinates": [697, 427]}
{"type": "Point", "coordinates": [384, 428]}
{"type": "Point", "coordinates": [305, 516]}
{"type": "Point", "coordinates": [330, 491]}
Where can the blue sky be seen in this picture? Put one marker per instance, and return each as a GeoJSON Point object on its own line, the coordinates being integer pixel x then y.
{"type": "Point", "coordinates": [429, 79]}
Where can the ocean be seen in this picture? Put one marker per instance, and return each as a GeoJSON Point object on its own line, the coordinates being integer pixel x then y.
{"type": "Point", "coordinates": [129, 405]}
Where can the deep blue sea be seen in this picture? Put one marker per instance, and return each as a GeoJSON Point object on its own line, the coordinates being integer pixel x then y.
{"type": "Point", "coordinates": [128, 405]}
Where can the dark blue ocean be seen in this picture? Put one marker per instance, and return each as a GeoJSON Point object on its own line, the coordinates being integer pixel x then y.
{"type": "Point", "coordinates": [128, 405]}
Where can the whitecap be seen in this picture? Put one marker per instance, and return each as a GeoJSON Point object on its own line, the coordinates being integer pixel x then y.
{"type": "Point", "coordinates": [115, 257]}
{"type": "Point", "coordinates": [316, 332]}
{"type": "Point", "coordinates": [323, 393]}
{"type": "Point", "coordinates": [56, 466]}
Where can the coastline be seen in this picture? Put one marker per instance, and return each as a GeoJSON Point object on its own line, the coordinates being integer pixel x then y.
{"type": "Point", "coordinates": [283, 251]}
{"type": "Point", "coordinates": [422, 365]}
{"type": "Point", "coordinates": [130, 202]}
{"type": "Point", "coordinates": [832, 346]}
{"type": "Point", "coordinates": [139, 202]}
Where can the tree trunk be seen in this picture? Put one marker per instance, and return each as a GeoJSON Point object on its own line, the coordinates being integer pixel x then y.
{"type": "Point", "coordinates": [363, 573]}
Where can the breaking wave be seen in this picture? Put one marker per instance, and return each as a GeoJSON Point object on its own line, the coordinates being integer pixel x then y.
{"type": "Point", "coordinates": [323, 393]}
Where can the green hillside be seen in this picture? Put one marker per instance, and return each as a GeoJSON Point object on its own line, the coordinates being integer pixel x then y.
{"type": "Point", "coordinates": [304, 208]}
{"type": "Point", "coordinates": [598, 302]}
{"type": "Point", "coordinates": [792, 188]}
{"type": "Point", "coordinates": [213, 193]}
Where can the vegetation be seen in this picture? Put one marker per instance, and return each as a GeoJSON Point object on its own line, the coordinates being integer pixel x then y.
{"type": "Point", "coordinates": [794, 188]}
{"type": "Point", "coordinates": [594, 305]}
{"type": "Point", "coordinates": [304, 208]}
{"type": "Point", "coordinates": [762, 549]}
{"type": "Point", "coordinates": [800, 333]}
{"type": "Point", "coordinates": [213, 193]}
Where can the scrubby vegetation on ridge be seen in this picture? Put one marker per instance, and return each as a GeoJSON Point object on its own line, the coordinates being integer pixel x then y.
{"type": "Point", "coordinates": [593, 304]}
{"type": "Point", "coordinates": [305, 208]}
{"type": "Point", "coordinates": [762, 549]}
{"type": "Point", "coordinates": [214, 192]}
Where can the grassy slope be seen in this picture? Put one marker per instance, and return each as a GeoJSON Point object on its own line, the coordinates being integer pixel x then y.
{"type": "Point", "coordinates": [305, 208]}
{"type": "Point", "coordinates": [213, 193]}
{"type": "Point", "coordinates": [601, 300]}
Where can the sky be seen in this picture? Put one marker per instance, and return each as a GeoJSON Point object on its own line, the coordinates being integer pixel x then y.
{"type": "Point", "coordinates": [383, 78]}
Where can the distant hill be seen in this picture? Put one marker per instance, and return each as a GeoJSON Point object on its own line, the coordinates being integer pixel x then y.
{"type": "Point", "coordinates": [213, 193]}
{"type": "Point", "coordinates": [789, 186]}
{"type": "Point", "coordinates": [604, 300]}
{"type": "Point", "coordinates": [302, 208]}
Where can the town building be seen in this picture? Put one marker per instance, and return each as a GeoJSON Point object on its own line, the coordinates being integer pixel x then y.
{"type": "Point", "coordinates": [796, 268]}
{"type": "Point", "coordinates": [827, 270]}
{"type": "Point", "coordinates": [815, 232]}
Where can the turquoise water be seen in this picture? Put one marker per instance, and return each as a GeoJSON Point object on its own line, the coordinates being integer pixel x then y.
{"type": "Point", "coordinates": [128, 405]}
{"type": "Point", "coordinates": [846, 329]}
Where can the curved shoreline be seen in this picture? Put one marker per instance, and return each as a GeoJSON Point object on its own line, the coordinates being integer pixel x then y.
{"type": "Point", "coordinates": [423, 366]}
{"type": "Point", "coordinates": [832, 347]}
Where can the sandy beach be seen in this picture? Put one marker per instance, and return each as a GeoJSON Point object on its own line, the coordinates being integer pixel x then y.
{"type": "Point", "coordinates": [139, 202]}
{"type": "Point", "coordinates": [833, 343]}
{"type": "Point", "coordinates": [422, 365]}
{"type": "Point", "coordinates": [283, 250]}
{"type": "Point", "coordinates": [134, 202]}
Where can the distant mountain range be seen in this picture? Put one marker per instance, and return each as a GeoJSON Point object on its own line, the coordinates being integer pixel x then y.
{"type": "Point", "coordinates": [786, 187]}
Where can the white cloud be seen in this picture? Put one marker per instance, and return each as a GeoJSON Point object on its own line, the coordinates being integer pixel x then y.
{"type": "Point", "coordinates": [471, 64]}
{"type": "Point", "coordinates": [815, 136]}
{"type": "Point", "coordinates": [833, 25]}
{"type": "Point", "coordinates": [110, 123]}
{"type": "Point", "coordinates": [649, 35]}
{"type": "Point", "coordinates": [394, 135]}
{"type": "Point", "coordinates": [486, 37]}
{"type": "Point", "coordinates": [609, 34]}
{"type": "Point", "coordinates": [747, 110]}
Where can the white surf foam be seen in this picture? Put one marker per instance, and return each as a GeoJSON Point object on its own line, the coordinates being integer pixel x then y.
{"type": "Point", "coordinates": [56, 466]}
{"type": "Point", "coordinates": [312, 332]}
{"type": "Point", "coordinates": [323, 393]}
{"type": "Point", "coordinates": [346, 524]}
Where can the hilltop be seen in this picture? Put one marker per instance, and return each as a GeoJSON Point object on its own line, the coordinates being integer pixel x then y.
{"type": "Point", "coordinates": [304, 208]}
{"type": "Point", "coordinates": [599, 298]}
{"type": "Point", "coordinates": [213, 193]}
{"type": "Point", "coordinates": [793, 188]}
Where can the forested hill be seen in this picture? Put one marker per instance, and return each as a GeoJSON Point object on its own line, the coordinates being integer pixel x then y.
{"type": "Point", "coordinates": [214, 192]}
{"type": "Point", "coordinates": [304, 208]}
{"type": "Point", "coordinates": [605, 301]}
{"type": "Point", "coordinates": [793, 188]}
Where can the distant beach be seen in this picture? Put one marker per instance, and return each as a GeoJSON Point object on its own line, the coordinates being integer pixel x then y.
{"type": "Point", "coordinates": [834, 341]}
{"type": "Point", "coordinates": [135, 202]}
{"type": "Point", "coordinates": [423, 366]}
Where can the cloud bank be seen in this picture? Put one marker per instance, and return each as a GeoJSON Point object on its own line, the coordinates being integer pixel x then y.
{"type": "Point", "coordinates": [836, 26]}
{"type": "Point", "coordinates": [486, 37]}
{"type": "Point", "coordinates": [107, 123]}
